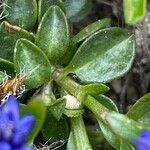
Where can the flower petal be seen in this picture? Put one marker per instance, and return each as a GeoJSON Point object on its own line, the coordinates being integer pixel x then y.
{"type": "Point", "coordinates": [24, 148]}
{"type": "Point", "coordinates": [4, 146]}
{"type": "Point", "coordinates": [19, 139]}
{"type": "Point", "coordinates": [145, 134]}
{"type": "Point", "coordinates": [11, 109]}
{"type": "Point", "coordinates": [142, 143]}
{"type": "Point", "coordinates": [26, 124]}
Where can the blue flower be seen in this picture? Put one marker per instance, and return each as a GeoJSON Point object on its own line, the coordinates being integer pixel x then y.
{"type": "Point", "coordinates": [143, 142]}
{"type": "Point", "coordinates": [13, 130]}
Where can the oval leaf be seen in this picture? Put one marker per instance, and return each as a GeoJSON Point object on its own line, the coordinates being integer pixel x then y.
{"type": "Point", "coordinates": [9, 34]}
{"type": "Point", "coordinates": [122, 126]}
{"type": "Point", "coordinates": [54, 130]}
{"type": "Point", "coordinates": [45, 4]}
{"type": "Point", "coordinates": [94, 88]}
{"type": "Point", "coordinates": [90, 29]}
{"type": "Point", "coordinates": [21, 12]}
{"type": "Point", "coordinates": [140, 111]}
{"type": "Point", "coordinates": [31, 62]}
{"type": "Point", "coordinates": [53, 34]}
{"type": "Point", "coordinates": [106, 55]}
{"type": "Point", "coordinates": [7, 66]}
{"type": "Point", "coordinates": [77, 10]}
{"type": "Point", "coordinates": [134, 10]}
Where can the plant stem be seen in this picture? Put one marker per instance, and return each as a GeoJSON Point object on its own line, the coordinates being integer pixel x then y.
{"type": "Point", "coordinates": [74, 88]}
{"type": "Point", "coordinates": [79, 134]}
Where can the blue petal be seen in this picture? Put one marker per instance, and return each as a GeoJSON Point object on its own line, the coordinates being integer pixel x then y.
{"type": "Point", "coordinates": [11, 109]}
{"type": "Point", "coordinates": [143, 144]}
{"type": "Point", "coordinates": [145, 134]}
{"type": "Point", "coordinates": [18, 139]}
{"type": "Point", "coordinates": [24, 148]}
{"type": "Point", "coordinates": [4, 146]}
{"type": "Point", "coordinates": [26, 124]}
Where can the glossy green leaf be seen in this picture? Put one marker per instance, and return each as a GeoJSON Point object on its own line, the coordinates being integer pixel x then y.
{"type": "Point", "coordinates": [90, 29]}
{"type": "Point", "coordinates": [76, 10]}
{"type": "Point", "coordinates": [140, 111]}
{"type": "Point", "coordinates": [7, 66]}
{"type": "Point", "coordinates": [95, 88]}
{"type": "Point", "coordinates": [31, 62]}
{"type": "Point", "coordinates": [57, 108]}
{"type": "Point", "coordinates": [107, 102]}
{"type": "Point", "coordinates": [21, 12]}
{"type": "Point", "coordinates": [122, 126]}
{"type": "Point", "coordinates": [55, 130]}
{"type": "Point", "coordinates": [126, 146]}
{"type": "Point", "coordinates": [36, 108]}
{"type": "Point", "coordinates": [134, 10]}
{"type": "Point", "coordinates": [66, 58]}
{"type": "Point", "coordinates": [105, 55]}
{"type": "Point", "coordinates": [109, 135]}
{"type": "Point", "coordinates": [9, 34]}
{"type": "Point", "coordinates": [97, 108]}
{"type": "Point", "coordinates": [43, 6]}
{"type": "Point", "coordinates": [53, 34]}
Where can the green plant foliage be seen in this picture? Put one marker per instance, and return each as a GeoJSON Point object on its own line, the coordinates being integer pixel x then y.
{"type": "Point", "coordinates": [105, 55]}
{"type": "Point", "coordinates": [21, 12]}
{"type": "Point", "coordinates": [57, 108]}
{"type": "Point", "coordinates": [140, 111]}
{"type": "Point", "coordinates": [90, 29]}
{"type": "Point", "coordinates": [134, 10]}
{"type": "Point", "coordinates": [95, 88]}
{"type": "Point", "coordinates": [9, 34]}
{"type": "Point", "coordinates": [7, 66]}
{"type": "Point", "coordinates": [32, 63]}
{"type": "Point", "coordinates": [55, 42]}
{"type": "Point", "coordinates": [68, 72]}
{"type": "Point", "coordinates": [77, 10]}
{"type": "Point", "coordinates": [35, 107]}
{"type": "Point", "coordinates": [107, 102]}
{"type": "Point", "coordinates": [45, 4]}
{"type": "Point", "coordinates": [116, 121]}
{"type": "Point", "coordinates": [55, 130]}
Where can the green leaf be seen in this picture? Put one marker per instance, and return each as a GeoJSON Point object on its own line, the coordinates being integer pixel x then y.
{"type": "Point", "coordinates": [7, 66]}
{"type": "Point", "coordinates": [57, 108]}
{"type": "Point", "coordinates": [21, 12]}
{"type": "Point", "coordinates": [126, 146]}
{"type": "Point", "coordinates": [53, 34]}
{"type": "Point", "coordinates": [122, 126]}
{"type": "Point", "coordinates": [107, 102]}
{"type": "Point", "coordinates": [45, 4]}
{"type": "Point", "coordinates": [109, 135]}
{"type": "Point", "coordinates": [95, 88]}
{"type": "Point", "coordinates": [77, 10]}
{"type": "Point", "coordinates": [140, 111]}
{"type": "Point", "coordinates": [95, 136]}
{"type": "Point", "coordinates": [90, 29]}
{"type": "Point", "coordinates": [106, 55]}
{"type": "Point", "coordinates": [55, 130]}
{"type": "Point", "coordinates": [9, 34]}
{"type": "Point", "coordinates": [134, 10]}
{"type": "Point", "coordinates": [31, 62]}
{"type": "Point", "coordinates": [36, 108]}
